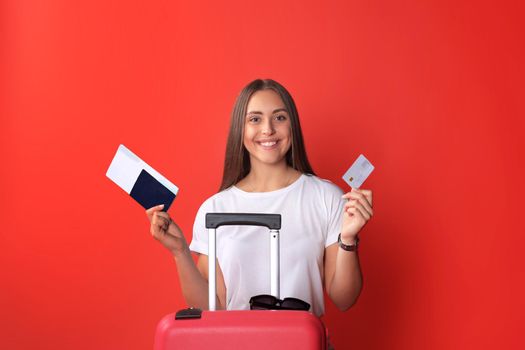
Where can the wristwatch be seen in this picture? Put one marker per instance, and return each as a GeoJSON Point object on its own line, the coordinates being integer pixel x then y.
{"type": "Point", "coordinates": [348, 248]}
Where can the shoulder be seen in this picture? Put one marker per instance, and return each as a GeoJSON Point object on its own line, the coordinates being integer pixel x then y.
{"type": "Point", "coordinates": [213, 204]}
{"type": "Point", "coordinates": [323, 186]}
{"type": "Point", "coordinates": [217, 199]}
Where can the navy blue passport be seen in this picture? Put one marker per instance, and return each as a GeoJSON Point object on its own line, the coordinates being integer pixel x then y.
{"type": "Point", "coordinates": [146, 185]}
{"type": "Point", "coordinates": [149, 192]}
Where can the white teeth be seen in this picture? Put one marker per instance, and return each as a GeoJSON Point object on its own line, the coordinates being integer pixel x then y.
{"type": "Point", "coordinates": [268, 144]}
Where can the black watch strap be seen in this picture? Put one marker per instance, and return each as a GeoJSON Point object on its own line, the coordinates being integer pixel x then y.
{"type": "Point", "coordinates": [348, 248]}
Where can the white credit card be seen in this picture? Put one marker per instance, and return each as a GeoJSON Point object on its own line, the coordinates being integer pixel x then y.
{"type": "Point", "coordinates": [358, 172]}
{"type": "Point", "coordinates": [141, 181]}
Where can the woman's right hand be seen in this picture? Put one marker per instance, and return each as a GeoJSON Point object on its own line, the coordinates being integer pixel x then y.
{"type": "Point", "coordinates": [164, 230]}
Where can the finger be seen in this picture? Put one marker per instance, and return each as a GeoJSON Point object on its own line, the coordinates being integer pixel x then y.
{"type": "Point", "coordinates": [160, 221]}
{"type": "Point", "coordinates": [367, 194]}
{"type": "Point", "coordinates": [359, 190]}
{"type": "Point", "coordinates": [156, 230]}
{"type": "Point", "coordinates": [356, 204]}
{"type": "Point", "coordinates": [162, 213]}
{"type": "Point", "coordinates": [165, 216]}
{"type": "Point", "coordinates": [354, 212]}
{"type": "Point", "coordinates": [160, 231]}
{"type": "Point", "coordinates": [346, 195]}
{"type": "Point", "coordinates": [174, 229]}
{"type": "Point", "coordinates": [150, 211]}
{"type": "Point", "coordinates": [363, 200]}
{"type": "Point", "coordinates": [155, 208]}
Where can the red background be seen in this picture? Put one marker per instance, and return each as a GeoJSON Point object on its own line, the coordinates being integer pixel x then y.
{"type": "Point", "coordinates": [430, 91]}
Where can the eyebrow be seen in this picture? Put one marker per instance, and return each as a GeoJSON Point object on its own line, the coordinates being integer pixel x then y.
{"type": "Point", "coordinates": [275, 111]}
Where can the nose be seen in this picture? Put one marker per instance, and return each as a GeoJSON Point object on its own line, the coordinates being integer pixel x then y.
{"type": "Point", "coordinates": [267, 127]}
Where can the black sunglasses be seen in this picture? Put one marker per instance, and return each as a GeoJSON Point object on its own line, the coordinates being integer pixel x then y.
{"type": "Point", "coordinates": [269, 302]}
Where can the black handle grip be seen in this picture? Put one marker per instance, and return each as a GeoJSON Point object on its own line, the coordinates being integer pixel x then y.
{"type": "Point", "coordinates": [272, 221]}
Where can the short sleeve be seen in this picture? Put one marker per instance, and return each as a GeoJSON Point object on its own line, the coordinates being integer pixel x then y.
{"type": "Point", "coordinates": [199, 242]}
{"type": "Point", "coordinates": [335, 205]}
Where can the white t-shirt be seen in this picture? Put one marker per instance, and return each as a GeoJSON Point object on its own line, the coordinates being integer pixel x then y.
{"type": "Point", "coordinates": [311, 210]}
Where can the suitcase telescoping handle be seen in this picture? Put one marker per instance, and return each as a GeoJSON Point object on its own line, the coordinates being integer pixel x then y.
{"type": "Point", "coordinates": [272, 221]}
{"type": "Point", "coordinates": [215, 220]}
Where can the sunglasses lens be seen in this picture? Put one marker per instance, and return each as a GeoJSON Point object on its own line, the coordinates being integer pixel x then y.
{"type": "Point", "coordinates": [263, 302]}
{"type": "Point", "coordinates": [295, 304]}
{"type": "Point", "coordinates": [265, 299]}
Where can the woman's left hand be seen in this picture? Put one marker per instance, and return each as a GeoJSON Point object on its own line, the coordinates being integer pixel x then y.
{"type": "Point", "coordinates": [357, 212]}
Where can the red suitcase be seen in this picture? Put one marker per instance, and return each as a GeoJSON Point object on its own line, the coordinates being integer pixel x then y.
{"type": "Point", "coordinates": [253, 329]}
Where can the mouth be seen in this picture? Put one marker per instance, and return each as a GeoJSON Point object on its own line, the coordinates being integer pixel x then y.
{"type": "Point", "coordinates": [268, 144]}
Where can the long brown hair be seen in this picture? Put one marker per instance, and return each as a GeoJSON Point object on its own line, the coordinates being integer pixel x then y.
{"type": "Point", "coordinates": [237, 159]}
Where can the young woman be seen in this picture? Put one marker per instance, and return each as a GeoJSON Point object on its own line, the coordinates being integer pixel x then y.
{"type": "Point", "coordinates": [266, 170]}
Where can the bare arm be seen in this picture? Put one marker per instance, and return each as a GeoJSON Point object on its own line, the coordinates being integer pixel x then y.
{"type": "Point", "coordinates": [343, 278]}
{"type": "Point", "coordinates": [193, 277]}
{"type": "Point", "coordinates": [194, 281]}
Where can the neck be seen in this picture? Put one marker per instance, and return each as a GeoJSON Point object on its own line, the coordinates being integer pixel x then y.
{"type": "Point", "coordinates": [266, 178]}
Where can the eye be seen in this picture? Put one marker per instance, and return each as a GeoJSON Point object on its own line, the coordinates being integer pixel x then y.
{"type": "Point", "coordinates": [253, 119]}
{"type": "Point", "coordinates": [280, 117]}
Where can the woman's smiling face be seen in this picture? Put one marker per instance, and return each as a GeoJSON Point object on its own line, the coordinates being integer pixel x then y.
{"type": "Point", "coordinates": [267, 133]}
